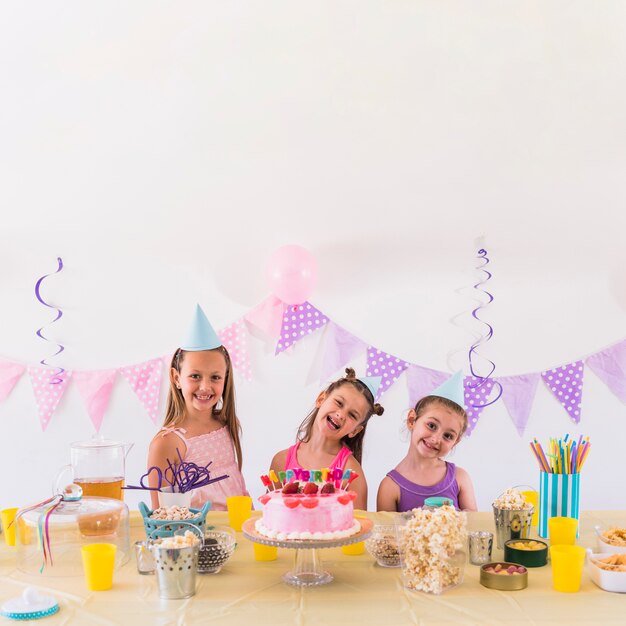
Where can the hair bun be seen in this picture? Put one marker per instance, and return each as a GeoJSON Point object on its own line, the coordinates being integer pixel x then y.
{"type": "Point", "coordinates": [378, 409]}
{"type": "Point", "coordinates": [350, 374]}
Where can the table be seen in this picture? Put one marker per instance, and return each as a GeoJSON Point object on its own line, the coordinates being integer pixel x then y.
{"type": "Point", "coordinates": [251, 592]}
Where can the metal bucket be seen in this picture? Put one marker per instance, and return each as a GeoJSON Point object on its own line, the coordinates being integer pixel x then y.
{"type": "Point", "coordinates": [512, 524]}
{"type": "Point", "coordinates": [176, 568]}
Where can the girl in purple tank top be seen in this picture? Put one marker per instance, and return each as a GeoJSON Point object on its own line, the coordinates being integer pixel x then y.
{"type": "Point", "coordinates": [436, 424]}
{"type": "Point", "coordinates": [332, 434]}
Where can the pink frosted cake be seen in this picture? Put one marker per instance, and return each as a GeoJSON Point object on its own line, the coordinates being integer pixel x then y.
{"type": "Point", "coordinates": [308, 513]}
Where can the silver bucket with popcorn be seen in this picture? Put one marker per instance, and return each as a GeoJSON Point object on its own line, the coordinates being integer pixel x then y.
{"type": "Point", "coordinates": [512, 523]}
{"type": "Point", "coordinates": [176, 562]}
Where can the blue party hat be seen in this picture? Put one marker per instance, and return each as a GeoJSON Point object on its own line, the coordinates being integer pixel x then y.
{"type": "Point", "coordinates": [372, 383]}
{"type": "Point", "coordinates": [452, 389]}
{"type": "Point", "coordinates": [201, 335]}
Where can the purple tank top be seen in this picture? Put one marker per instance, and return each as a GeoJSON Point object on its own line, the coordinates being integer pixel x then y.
{"type": "Point", "coordinates": [412, 496]}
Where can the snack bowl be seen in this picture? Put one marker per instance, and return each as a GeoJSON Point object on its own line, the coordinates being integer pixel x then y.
{"type": "Point", "coordinates": [604, 541]}
{"type": "Point", "coordinates": [608, 580]}
{"type": "Point", "coordinates": [505, 582]}
{"type": "Point", "coordinates": [167, 528]}
{"type": "Point", "coordinates": [219, 544]}
{"type": "Point", "coordinates": [527, 552]}
{"type": "Point", "coordinates": [382, 544]}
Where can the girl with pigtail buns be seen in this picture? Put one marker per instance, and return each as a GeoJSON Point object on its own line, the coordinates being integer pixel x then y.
{"type": "Point", "coordinates": [333, 432]}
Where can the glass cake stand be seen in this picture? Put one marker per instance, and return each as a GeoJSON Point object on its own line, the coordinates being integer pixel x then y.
{"type": "Point", "coordinates": [307, 569]}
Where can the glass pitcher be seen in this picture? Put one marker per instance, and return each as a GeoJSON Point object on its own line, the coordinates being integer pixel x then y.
{"type": "Point", "coordinates": [98, 467]}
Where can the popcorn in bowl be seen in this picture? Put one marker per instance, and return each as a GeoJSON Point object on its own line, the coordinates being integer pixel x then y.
{"type": "Point", "coordinates": [611, 539]}
{"type": "Point", "coordinates": [431, 546]}
{"type": "Point", "coordinates": [172, 513]}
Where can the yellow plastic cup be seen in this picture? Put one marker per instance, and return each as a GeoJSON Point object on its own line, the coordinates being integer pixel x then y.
{"type": "Point", "coordinates": [353, 549]}
{"type": "Point", "coordinates": [567, 567]}
{"type": "Point", "coordinates": [562, 531]}
{"type": "Point", "coordinates": [98, 565]}
{"type": "Point", "coordinates": [239, 510]}
{"type": "Point", "coordinates": [533, 497]}
{"type": "Point", "coordinates": [8, 527]}
{"type": "Point", "coordinates": [265, 553]}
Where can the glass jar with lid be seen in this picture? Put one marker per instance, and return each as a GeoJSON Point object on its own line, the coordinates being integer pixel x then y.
{"type": "Point", "coordinates": [67, 522]}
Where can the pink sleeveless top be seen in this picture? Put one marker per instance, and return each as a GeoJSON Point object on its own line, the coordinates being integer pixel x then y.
{"type": "Point", "coordinates": [291, 461]}
{"type": "Point", "coordinates": [215, 447]}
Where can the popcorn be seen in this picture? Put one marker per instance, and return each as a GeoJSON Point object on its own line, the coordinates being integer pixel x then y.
{"type": "Point", "coordinates": [429, 543]}
{"type": "Point", "coordinates": [511, 499]}
{"type": "Point", "coordinates": [187, 540]}
{"type": "Point", "coordinates": [613, 563]}
{"type": "Point", "coordinates": [172, 513]}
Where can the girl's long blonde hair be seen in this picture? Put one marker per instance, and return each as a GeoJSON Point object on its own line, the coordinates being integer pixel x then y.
{"type": "Point", "coordinates": [354, 443]}
{"type": "Point", "coordinates": [175, 409]}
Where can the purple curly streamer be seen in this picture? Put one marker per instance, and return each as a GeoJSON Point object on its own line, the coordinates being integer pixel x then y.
{"type": "Point", "coordinates": [54, 380]}
{"type": "Point", "coordinates": [482, 254]}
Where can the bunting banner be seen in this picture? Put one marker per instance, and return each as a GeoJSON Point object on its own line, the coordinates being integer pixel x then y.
{"type": "Point", "coordinates": [518, 394]}
{"type": "Point", "coordinates": [383, 364]}
{"type": "Point", "coordinates": [145, 381]}
{"type": "Point", "coordinates": [48, 388]}
{"type": "Point", "coordinates": [340, 347]}
{"type": "Point", "coordinates": [95, 388]}
{"type": "Point", "coordinates": [421, 381]}
{"type": "Point", "coordinates": [234, 338]}
{"type": "Point", "coordinates": [299, 321]}
{"type": "Point", "coordinates": [610, 367]}
{"type": "Point", "coordinates": [566, 384]}
{"type": "Point", "coordinates": [477, 392]}
{"type": "Point", "coordinates": [10, 373]}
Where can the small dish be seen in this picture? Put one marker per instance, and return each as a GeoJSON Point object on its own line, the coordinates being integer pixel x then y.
{"type": "Point", "coordinates": [219, 544]}
{"type": "Point", "coordinates": [527, 552]}
{"type": "Point", "coordinates": [608, 580]}
{"type": "Point", "coordinates": [511, 581]}
{"type": "Point", "coordinates": [382, 544]}
{"type": "Point", "coordinates": [606, 544]}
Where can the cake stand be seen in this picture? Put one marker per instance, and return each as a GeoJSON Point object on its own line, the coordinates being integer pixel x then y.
{"type": "Point", "coordinates": [307, 569]}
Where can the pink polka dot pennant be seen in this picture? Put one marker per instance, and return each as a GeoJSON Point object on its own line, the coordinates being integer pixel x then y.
{"type": "Point", "coordinates": [299, 321]}
{"type": "Point", "coordinates": [566, 384]}
{"type": "Point", "coordinates": [47, 393]}
{"type": "Point", "coordinates": [145, 381]}
{"type": "Point", "coordinates": [381, 363]}
{"type": "Point", "coordinates": [235, 340]}
{"type": "Point", "coordinates": [476, 396]}
{"type": "Point", "coordinates": [95, 387]}
{"type": "Point", "coordinates": [10, 373]}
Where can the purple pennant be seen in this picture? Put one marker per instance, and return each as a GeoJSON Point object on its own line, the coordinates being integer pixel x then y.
{"type": "Point", "coordinates": [610, 367]}
{"type": "Point", "coordinates": [477, 391]}
{"type": "Point", "coordinates": [566, 384]}
{"type": "Point", "coordinates": [422, 380]}
{"type": "Point", "coordinates": [518, 394]}
{"type": "Point", "coordinates": [380, 363]}
{"type": "Point", "coordinates": [340, 347]}
{"type": "Point", "coordinates": [298, 321]}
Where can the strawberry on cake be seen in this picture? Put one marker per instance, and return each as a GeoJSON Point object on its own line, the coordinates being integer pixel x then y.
{"type": "Point", "coordinates": [308, 512]}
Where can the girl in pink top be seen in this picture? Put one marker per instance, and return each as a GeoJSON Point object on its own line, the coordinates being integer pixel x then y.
{"type": "Point", "coordinates": [200, 419]}
{"type": "Point", "coordinates": [332, 434]}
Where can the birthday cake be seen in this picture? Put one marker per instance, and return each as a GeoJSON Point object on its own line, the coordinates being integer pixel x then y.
{"type": "Point", "coordinates": [308, 511]}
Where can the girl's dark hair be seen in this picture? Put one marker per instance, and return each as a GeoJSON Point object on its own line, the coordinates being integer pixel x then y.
{"type": "Point", "coordinates": [354, 443]}
{"type": "Point", "coordinates": [426, 401]}
{"type": "Point", "coordinates": [175, 408]}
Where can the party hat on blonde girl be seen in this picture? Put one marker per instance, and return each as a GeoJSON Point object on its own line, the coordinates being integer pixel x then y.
{"type": "Point", "coordinates": [201, 335]}
{"type": "Point", "coordinates": [452, 389]}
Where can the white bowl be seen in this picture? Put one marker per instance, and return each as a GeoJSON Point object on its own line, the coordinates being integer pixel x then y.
{"type": "Point", "coordinates": [604, 545]}
{"type": "Point", "coordinates": [609, 581]}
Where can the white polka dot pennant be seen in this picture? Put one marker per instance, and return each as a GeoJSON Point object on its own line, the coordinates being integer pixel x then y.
{"type": "Point", "coordinates": [476, 397]}
{"type": "Point", "coordinates": [48, 388]}
{"type": "Point", "coordinates": [299, 321]}
{"type": "Point", "coordinates": [566, 384]}
{"type": "Point", "coordinates": [145, 380]}
{"type": "Point", "coordinates": [381, 363]}
{"type": "Point", "coordinates": [234, 338]}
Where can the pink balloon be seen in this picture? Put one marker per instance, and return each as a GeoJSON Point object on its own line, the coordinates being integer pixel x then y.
{"type": "Point", "coordinates": [291, 273]}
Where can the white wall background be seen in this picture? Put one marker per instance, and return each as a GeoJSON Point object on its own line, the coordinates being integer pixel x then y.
{"type": "Point", "coordinates": [164, 150]}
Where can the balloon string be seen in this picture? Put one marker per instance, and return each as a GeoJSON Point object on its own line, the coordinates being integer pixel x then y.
{"type": "Point", "coordinates": [473, 351]}
{"type": "Point", "coordinates": [56, 378]}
